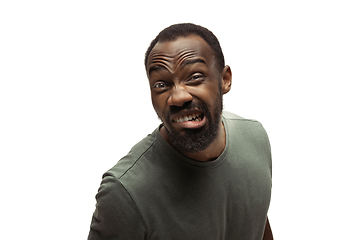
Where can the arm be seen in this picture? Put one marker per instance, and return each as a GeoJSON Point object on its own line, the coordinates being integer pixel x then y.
{"type": "Point", "coordinates": [268, 233]}
{"type": "Point", "coordinates": [116, 215]}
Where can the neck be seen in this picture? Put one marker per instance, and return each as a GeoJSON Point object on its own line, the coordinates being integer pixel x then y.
{"type": "Point", "coordinates": [212, 152]}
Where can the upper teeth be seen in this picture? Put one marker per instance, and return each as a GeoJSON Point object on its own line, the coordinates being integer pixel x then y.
{"type": "Point", "coordinates": [190, 117]}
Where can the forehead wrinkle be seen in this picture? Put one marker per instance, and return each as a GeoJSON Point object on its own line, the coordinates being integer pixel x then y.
{"type": "Point", "coordinates": [157, 57]}
{"type": "Point", "coordinates": [173, 60]}
{"type": "Point", "coordinates": [158, 60]}
{"type": "Point", "coordinates": [183, 56]}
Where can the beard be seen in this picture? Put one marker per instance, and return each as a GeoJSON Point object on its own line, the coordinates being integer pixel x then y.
{"type": "Point", "coordinates": [195, 140]}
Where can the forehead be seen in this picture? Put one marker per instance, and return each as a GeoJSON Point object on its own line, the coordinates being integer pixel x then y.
{"type": "Point", "coordinates": [182, 47]}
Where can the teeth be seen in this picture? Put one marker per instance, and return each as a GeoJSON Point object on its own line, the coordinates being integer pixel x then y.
{"type": "Point", "coordinates": [191, 117]}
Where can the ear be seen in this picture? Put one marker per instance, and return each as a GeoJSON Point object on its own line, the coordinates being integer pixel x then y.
{"type": "Point", "coordinates": [226, 76]}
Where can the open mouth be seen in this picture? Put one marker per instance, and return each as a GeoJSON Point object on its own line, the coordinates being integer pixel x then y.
{"type": "Point", "coordinates": [194, 117]}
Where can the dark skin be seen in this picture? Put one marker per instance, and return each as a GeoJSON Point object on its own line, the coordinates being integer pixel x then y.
{"type": "Point", "coordinates": [183, 71]}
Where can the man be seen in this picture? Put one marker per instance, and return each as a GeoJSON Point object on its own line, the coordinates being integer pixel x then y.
{"type": "Point", "coordinates": [202, 174]}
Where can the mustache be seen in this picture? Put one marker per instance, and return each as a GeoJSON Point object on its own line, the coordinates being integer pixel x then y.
{"type": "Point", "coordinates": [186, 106]}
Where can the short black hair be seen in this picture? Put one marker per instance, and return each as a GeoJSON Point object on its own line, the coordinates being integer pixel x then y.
{"type": "Point", "coordinates": [172, 32]}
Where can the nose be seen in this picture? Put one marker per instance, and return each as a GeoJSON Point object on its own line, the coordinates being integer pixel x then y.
{"type": "Point", "coordinates": [179, 96]}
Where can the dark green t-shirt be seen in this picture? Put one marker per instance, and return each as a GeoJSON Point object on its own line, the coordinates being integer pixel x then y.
{"type": "Point", "coordinates": [155, 192]}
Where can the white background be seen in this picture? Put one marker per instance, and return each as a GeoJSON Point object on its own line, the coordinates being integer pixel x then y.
{"type": "Point", "coordinates": [74, 99]}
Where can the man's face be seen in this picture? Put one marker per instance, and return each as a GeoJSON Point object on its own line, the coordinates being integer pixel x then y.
{"type": "Point", "coordinates": [186, 93]}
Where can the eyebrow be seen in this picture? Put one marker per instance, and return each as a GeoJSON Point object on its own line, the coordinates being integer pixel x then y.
{"type": "Point", "coordinates": [156, 68]}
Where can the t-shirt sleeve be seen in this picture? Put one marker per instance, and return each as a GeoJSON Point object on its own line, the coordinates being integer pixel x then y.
{"type": "Point", "coordinates": [116, 215]}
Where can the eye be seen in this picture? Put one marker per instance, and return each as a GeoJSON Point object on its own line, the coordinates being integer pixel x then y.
{"type": "Point", "coordinates": [160, 86]}
{"type": "Point", "coordinates": [196, 78]}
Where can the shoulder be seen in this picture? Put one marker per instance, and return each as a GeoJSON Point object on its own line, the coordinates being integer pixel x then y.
{"type": "Point", "coordinates": [133, 158]}
{"type": "Point", "coordinates": [235, 120]}
{"type": "Point", "coordinates": [247, 131]}
{"type": "Point", "coordinates": [116, 213]}
{"type": "Point", "coordinates": [247, 134]}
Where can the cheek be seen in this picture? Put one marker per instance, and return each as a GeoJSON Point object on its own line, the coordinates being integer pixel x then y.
{"type": "Point", "coordinates": [158, 103]}
{"type": "Point", "coordinates": [207, 93]}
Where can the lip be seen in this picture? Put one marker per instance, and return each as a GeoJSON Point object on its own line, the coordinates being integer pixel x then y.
{"type": "Point", "coordinates": [188, 124]}
{"type": "Point", "coordinates": [184, 113]}
{"type": "Point", "coordinates": [191, 124]}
